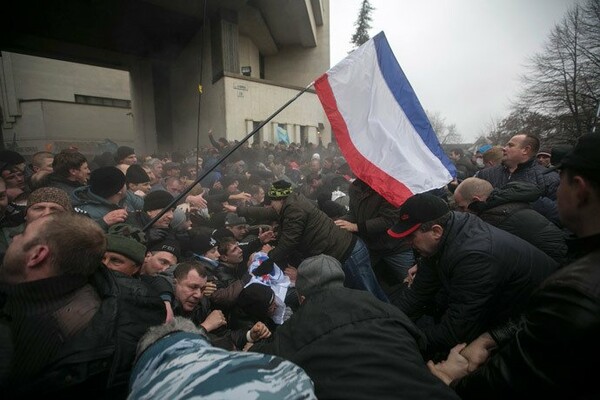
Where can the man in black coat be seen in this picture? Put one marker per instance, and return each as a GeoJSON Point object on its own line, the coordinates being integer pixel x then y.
{"type": "Point", "coordinates": [552, 352]}
{"type": "Point", "coordinates": [352, 345]}
{"type": "Point", "coordinates": [508, 208]}
{"type": "Point", "coordinates": [486, 274]}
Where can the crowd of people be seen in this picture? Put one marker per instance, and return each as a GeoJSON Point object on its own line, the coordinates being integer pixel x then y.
{"type": "Point", "coordinates": [280, 274]}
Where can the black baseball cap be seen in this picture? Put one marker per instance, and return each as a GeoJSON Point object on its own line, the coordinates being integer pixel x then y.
{"type": "Point", "coordinates": [584, 156]}
{"type": "Point", "coordinates": [416, 210]}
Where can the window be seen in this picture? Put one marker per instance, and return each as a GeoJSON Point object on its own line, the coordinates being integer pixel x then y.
{"type": "Point", "coordinates": [102, 101]}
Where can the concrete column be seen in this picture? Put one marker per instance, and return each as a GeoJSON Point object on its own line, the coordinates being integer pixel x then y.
{"type": "Point", "coordinates": [142, 107]}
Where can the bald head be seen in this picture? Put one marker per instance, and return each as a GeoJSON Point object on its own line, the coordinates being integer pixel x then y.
{"type": "Point", "coordinates": [470, 190]}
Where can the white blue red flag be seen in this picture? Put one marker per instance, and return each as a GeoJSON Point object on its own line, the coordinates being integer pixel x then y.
{"type": "Point", "coordinates": [380, 126]}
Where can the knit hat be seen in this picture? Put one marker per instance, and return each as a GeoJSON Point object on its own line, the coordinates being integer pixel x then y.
{"type": "Point", "coordinates": [222, 233]}
{"type": "Point", "coordinates": [128, 241]}
{"type": "Point", "coordinates": [50, 195]}
{"type": "Point", "coordinates": [11, 157]}
{"type": "Point", "coordinates": [232, 219]}
{"type": "Point", "coordinates": [168, 245]}
{"type": "Point", "coordinates": [123, 152]}
{"type": "Point", "coordinates": [201, 242]}
{"type": "Point", "coordinates": [136, 174]}
{"type": "Point", "coordinates": [319, 272]}
{"type": "Point", "coordinates": [157, 200]}
{"type": "Point", "coordinates": [106, 181]}
{"type": "Point", "coordinates": [420, 208]}
{"type": "Point", "coordinates": [280, 190]}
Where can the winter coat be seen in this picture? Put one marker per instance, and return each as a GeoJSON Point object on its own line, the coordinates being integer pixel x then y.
{"type": "Point", "coordinates": [354, 346]}
{"type": "Point", "coordinates": [59, 182]}
{"type": "Point", "coordinates": [487, 273]}
{"type": "Point", "coordinates": [508, 208]}
{"type": "Point", "coordinates": [96, 207]}
{"type": "Point", "coordinates": [73, 335]}
{"type": "Point", "coordinates": [184, 365]}
{"type": "Point", "coordinates": [529, 171]}
{"type": "Point", "coordinates": [305, 228]}
{"type": "Point", "coordinates": [553, 351]}
{"type": "Point", "coordinates": [373, 216]}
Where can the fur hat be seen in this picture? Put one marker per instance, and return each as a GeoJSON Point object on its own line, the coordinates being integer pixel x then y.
{"type": "Point", "coordinates": [319, 272]}
{"type": "Point", "coordinates": [157, 200]}
{"type": "Point", "coordinates": [123, 152]}
{"type": "Point", "coordinates": [280, 190]}
{"type": "Point", "coordinates": [50, 195]}
{"type": "Point", "coordinates": [136, 174]}
{"type": "Point", "coordinates": [106, 181]}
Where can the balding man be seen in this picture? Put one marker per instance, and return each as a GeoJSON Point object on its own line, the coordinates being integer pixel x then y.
{"type": "Point", "coordinates": [509, 209]}
{"type": "Point", "coordinates": [65, 327]}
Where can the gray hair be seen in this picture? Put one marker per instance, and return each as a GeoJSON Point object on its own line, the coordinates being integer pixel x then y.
{"type": "Point", "coordinates": [155, 333]}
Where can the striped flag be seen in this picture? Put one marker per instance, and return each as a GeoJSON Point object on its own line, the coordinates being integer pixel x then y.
{"type": "Point", "coordinates": [380, 126]}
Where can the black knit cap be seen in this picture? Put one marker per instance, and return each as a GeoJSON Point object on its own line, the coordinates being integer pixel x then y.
{"type": "Point", "coordinates": [106, 181]}
{"type": "Point", "coordinates": [157, 200]}
{"type": "Point", "coordinates": [136, 174]}
{"type": "Point", "coordinates": [168, 245]}
{"type": "Point", "coordinates": [123, 152]}
{"type": "Point", "coordinates": [11, 157]}
{"type": "Point", "coordinates": [280, 190]}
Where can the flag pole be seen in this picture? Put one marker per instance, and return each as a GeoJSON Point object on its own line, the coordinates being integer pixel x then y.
{"type": "Point", "coordinates": [223, 157]}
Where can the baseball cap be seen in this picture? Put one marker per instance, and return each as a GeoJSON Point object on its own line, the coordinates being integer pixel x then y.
{"type": "Point", "coordinates": [416, 210]}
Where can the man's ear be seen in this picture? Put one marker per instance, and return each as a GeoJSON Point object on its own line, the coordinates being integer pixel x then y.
{"type": "Point", "coordinates": [582, 190]}
{"type": "Point", "coordinates": [36, 255]}
{"type": "Point", "coordinates": [438, 231]}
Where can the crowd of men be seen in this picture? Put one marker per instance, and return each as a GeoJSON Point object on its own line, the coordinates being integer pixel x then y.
{"type": "Point", "coordinates": [282, 275]}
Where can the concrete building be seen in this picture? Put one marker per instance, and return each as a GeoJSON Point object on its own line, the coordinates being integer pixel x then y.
{"type": "Point", "coordinates": [248, 57]}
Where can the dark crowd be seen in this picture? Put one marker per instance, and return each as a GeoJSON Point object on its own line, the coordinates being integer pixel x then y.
{"type": "Point", "coordinates": [281, 275]}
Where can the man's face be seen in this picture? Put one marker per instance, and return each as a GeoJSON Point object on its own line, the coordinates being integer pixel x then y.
{"type": "Point", "coordinates": [461, 203]}
{"type": "Point", "coordinates": [12, 269]}
{"type": "Point", "coordinates": [454, 156]}
{"type": "Point", "coordinates": [239, 231]}
{"type": "Point", "coordinates": [144, 187]}
{"type": "Point", "coordinates": [150, 172]}
{"type": "Point", "coordinates": [118, 262]}
{"type": "Point", "coordinates": [259, 197]}
{"type": "Point", "coordinates": [424, 242]}
{"type": "Point", "coordinates": [514, 153]}
{"type": "Point", "coordinates": [46, 165]}
{"type": "Point", "coordinates": [82, 174]}
{"type": "Point", "coordinates": [130, 159]}
{"type": "Point", "coordinates": [3, 198]}
{"type": "Point", "coordinates": [175, 187]}
{"type": "Point", "coordinates": [188, 291]}
{"type": "Point", "coordinates": [234, 254]}
{"type": "Point", "coordinates": [158, 170]}
{"type": "Point", "coordinates": [173, 172]}
{"type": "Point", "coordinates": [42, 209]}
{"type": "Point", "coordinates": [213, 254]}
{"type": "Point", "coordinates": [14, 178]}
{"type": "Point", "coordinates": [543, 160]}
{"type": "Point", "coordinates": [277, 205]}
{"type": "Point", "coordinates": [164, 221]}
{"type": "Point", "coordinates": [315, 166]}
{"type": "Point", "coordinates": [158, 261]}
{"type": "Point", "coordinates": [233, 187]}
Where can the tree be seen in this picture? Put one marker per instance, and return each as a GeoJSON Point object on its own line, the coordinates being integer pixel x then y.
{"type": "Point", "coordinates": [563, 81]}
{"type": "Point", "coordinates": [362, 24]}
{"type": "Point", "coordinates": [446, 133]}
{"type": "Point", "coordinates": [520, 120]}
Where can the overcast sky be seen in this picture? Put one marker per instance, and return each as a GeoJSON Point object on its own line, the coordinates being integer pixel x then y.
{"type": "Point", "coordinates": [463, 58]}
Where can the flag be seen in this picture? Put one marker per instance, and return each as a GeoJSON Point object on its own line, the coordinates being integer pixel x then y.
{"type": "Point", "coordinates": [282, 135]}
{"type": "Point", "coordinates": [380, 126]}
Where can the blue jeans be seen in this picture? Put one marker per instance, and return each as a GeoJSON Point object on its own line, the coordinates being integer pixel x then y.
{"type": "Point", "coordinates": [359, 274]}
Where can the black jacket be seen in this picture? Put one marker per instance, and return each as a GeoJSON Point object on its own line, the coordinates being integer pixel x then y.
{"type": "Point", "coordinates": [304, 228]}
{"type": "Point", "coordinates": [487, 273]}
{"type": "Point", "coordinates": [71, 335]}
{"type": "Point", "coordinates": [354, 346]}
{"type": "Point", "coordinates": [508, 208]}
{"type": "Point", "coordinates": [554, 351]}
{"type": "Point", "coordinates": [374, 215]}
